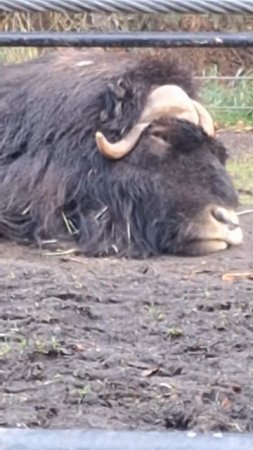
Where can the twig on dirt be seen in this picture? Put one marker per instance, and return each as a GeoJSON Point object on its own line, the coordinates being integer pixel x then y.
{"type": "Point", "coordinates": [233, 276]}
{"type": "Point", "coordinates": [49, 241]}
{"type": "Point", "coordinates": [197, 272]}
{"type": "Point", "coordinates": [149, 372]}
{"type": "Point", "coordinates": [62, 252]}
{"type": "Point", "coordinates": [243, 213]}
{"type": "Point", "coordinates": [74, 260]}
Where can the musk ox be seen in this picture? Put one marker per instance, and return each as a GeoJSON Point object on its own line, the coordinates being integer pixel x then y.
{"type": "Point", "coordinates": [115, 152]}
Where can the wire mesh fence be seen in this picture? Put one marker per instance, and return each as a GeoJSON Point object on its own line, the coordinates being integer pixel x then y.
{"type": "Point", "coordinates": [229, 98]}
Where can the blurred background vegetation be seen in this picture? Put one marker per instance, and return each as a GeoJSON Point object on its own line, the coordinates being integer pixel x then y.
{"type": "Point", "coordinates": [235, 95]}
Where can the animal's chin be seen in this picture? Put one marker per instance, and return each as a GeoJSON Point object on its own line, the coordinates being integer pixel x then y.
{"type": "Point", "coordinates": [201, 247]}
{"type": "Point", "coordinates": [216, 229]}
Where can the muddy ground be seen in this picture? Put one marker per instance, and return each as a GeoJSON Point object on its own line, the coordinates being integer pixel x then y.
{"type": "Point", "coordinates": [156, 344]}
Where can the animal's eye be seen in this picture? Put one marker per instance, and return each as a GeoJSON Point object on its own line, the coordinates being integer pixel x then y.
{"type": "Point", "coordinates": [159, 146]}
{"type": "Point", "coordinates": [160, 132]}
{"type": "Point", "coordinates": [157, 138]}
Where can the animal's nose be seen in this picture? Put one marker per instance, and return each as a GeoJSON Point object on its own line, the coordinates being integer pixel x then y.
{"type": "Point", "coordinates": [227, 226]}
{"type": "Point", "coordinates": [226, 216]}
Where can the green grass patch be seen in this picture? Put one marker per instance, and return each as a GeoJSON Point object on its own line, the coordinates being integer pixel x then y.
{"type": "Point", "coordinates": [15, 55]}
{"type": "Point", "coordinates": [229, 101]}
{"type": "Point", "coordinates": [241, 170]}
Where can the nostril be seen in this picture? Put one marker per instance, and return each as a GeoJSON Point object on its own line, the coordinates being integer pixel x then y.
{"type": "Point", "coordinates": [227, 217]}
{"type": "Point", "coordinates": [232, 225]}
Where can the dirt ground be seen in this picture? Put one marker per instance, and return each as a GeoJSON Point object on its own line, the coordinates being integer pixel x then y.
{"type": "Point", "coordinates": [157, 344]}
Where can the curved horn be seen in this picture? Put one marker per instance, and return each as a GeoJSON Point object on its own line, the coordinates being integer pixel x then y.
{"type": "Point", "coordinates": [119, 149]}
{"type": "Point", "coordinates": [205, 119]}
{"type": "Point", "coordinates": [167, 99]}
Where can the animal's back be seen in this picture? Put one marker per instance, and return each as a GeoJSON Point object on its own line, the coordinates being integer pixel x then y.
{"type": "Point", "coordinates": [64, 92]}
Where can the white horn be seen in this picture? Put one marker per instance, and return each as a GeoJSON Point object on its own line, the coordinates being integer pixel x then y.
{"type": "Point", "coordinates": [164, 100]}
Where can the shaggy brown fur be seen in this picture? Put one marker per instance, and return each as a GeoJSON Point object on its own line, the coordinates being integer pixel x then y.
{"type": "Point", "coordinates": [50, 109]}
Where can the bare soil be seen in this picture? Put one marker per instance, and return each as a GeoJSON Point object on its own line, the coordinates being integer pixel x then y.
{"type": "Point", "coordinates": [163, 343]}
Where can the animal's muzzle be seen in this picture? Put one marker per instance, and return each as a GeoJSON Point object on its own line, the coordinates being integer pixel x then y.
{"type": "Point", "coordinates": [227, 224]}
{"type": "Point", "coordinates": [217, 228]}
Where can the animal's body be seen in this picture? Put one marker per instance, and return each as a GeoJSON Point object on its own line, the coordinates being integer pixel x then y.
{"type": "Point", "coordinates": [170, 194]}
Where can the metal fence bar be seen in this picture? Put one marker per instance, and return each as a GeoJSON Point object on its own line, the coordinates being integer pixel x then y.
{"type": "Point", "coordinates": [17, 439]}
{"type": "Point", "coordinates": [148, 6]}
{"type": "Point", "coordinates": [221, 77]}
{"type": "Point", "coordinates": [235, 108]}
{"type": "Point", "coordinates": [126, 39]}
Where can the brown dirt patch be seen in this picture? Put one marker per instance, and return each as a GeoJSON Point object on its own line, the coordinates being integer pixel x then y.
{"type": "Point", "coordinates": [158, 344]}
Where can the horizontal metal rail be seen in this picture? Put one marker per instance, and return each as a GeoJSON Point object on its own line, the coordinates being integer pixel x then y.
{"type": "Point", "coordinates": [108, 440]}
{"type": "Point", "coordinates": [230, 108]}
{"type": "Point", "coordinates": [125, 39]}
{"type": "Point", "coordinates": [226, 77]}
{"type": "Point", "coordinates": [149, 6]}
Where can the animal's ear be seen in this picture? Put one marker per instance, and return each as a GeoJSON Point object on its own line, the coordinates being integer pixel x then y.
{"type": "Point", "coordinates": [113, 99]}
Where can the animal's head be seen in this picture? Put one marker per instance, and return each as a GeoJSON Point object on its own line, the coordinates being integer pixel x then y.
{"type": "Point", "coordinates": [189, 202]}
